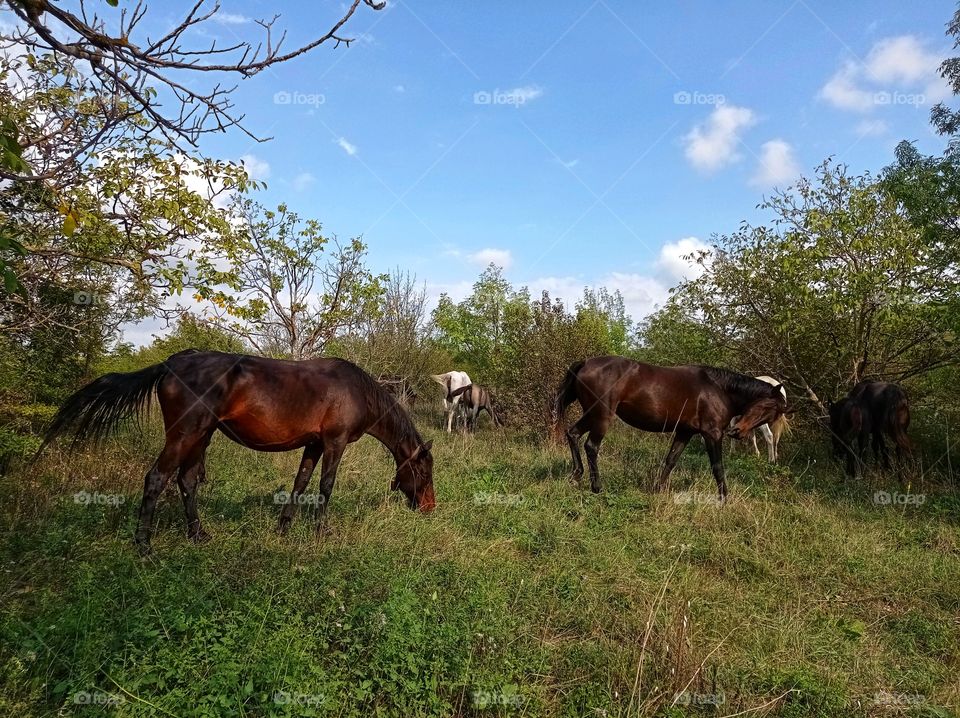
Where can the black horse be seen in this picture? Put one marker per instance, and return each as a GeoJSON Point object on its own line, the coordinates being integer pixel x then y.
{"type": "Point", "coordinates": [871, 410]}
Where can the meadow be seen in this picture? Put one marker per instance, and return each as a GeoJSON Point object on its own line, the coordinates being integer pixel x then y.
{"type": "Point", "coordinates": [522, 594]}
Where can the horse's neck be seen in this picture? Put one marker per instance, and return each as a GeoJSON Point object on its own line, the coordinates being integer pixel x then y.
{"type": "Point", "coordinates": [389, 428]}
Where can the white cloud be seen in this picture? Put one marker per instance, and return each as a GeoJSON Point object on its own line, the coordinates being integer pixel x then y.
{"type": "Point", "coordinates": [399, 88]}
{"type": "Point", "coordinates": [777, 165]}
{"type": "Point", "coordinates": [894, 66]}
{"type": "Point", "coordinates": [672, 261]}
{"type": "Point", "coordinates": [348, 147]}
{"type": "Point", "coordinates": [570, 164]}
{"type": "Point", "coordinates": [257, 168]}
{"type": "Point", "coordinates": [713, 145]}
{"type": "Point", "coordinates": [872, 128]}
{"type": "Point", "coordinates": [500, 257]}
{"type": "Point", "coordinates": [642, 293]}
{"type": "Point", "coordinates": [842, 90]}
{"type": "Point", "coordinates": [302, 181]}
{"type": "Point", "coordinates": [229, 18]}
{"type": "Point", "coordinates": [901, 60]}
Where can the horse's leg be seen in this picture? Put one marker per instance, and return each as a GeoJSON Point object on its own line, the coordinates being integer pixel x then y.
{"type": "Point", "coordinates": [598, 430]}
{"type": "Point", "coordinates": [579, 428]}
{"type": "Point", "coordinates": [680, 441]}
{"type": "Point", "coordinates": [328, 475]}
{"type": "Point", "coordinates": [753, 438]}
{"type": "Point", "coordinates": [776, 431]}
{"type": "Point", "coordinates": [192, 473]}
{"type": "Point", "coordinates": [311, 454]}
{"type": "Point", "coordinates": [166, 465]}
{"type": "Point", "coordinates": [863, 441]}
{"type": "Point", "coordinates": [880, 449]}
{"type": "Point", "coordinates": [771, 446]}
{"type": "Point", "coordinates": [715, 452]}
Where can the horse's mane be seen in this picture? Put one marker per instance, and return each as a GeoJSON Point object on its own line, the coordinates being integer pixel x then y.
{"type": "Point", "coordinates": [733, 382]}
{"type": "Point", "coordinates": [382, 404]}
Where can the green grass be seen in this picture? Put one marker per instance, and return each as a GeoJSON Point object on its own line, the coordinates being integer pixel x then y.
{"type": "Point", "coordinates": [523, 594]}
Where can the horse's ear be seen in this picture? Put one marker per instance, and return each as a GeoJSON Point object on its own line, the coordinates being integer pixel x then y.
{"type": "Point", "coordinates": [427, 446]}
{"type": "Point", "coordinates": [777, 389]}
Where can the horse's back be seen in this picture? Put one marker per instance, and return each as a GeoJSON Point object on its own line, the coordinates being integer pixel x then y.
{"type": "Point", "coordinates": [646, 396]}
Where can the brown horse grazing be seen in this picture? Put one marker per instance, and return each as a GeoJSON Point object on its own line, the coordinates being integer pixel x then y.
{"type": "Point", "coordinates": [264, 404]}
{"type": "Point", "coordinates": [474, 399]}
{"type": "Point", "coordinates": [870, 410]}
{"type": "Point", "coordinates": [683, 400]}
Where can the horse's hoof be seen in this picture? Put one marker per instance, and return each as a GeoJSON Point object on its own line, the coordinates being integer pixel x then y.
{"type": "Point", "coordinates": [200, 537]}
{"type": "Point", "coordinates": [283, 527]}
{"type": "Point", "coordinates": [595, 489]}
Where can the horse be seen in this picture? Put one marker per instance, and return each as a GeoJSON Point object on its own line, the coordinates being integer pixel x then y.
{"type": "Point", "coordinates": [475, 399]}
{"type": "Point", "coordinates": [451, 381]}
{"type": "Point", "coordinates": [870, 410]}
{"type": "Point", "coordinates": [682, 400]}
{"type": "Point", "coordinates": [771, 432]}
{"type": "Point", "coordinates": [264, 404]}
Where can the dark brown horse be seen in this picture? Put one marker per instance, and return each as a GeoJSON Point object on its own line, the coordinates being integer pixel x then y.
{"type": "Point", "coordinates": [474, 399]}
{"type": "Point", "coordinates": [871, 410]}
{"type": "Point", "coordinates": [264, 404]}
{"type": "Point", "coordinates": [683, 400]}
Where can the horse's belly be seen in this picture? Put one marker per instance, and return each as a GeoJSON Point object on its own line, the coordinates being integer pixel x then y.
{"type": "Point", "coordinates": [646, 419]}
{"type": "Point", "coordinates": [261, 437]}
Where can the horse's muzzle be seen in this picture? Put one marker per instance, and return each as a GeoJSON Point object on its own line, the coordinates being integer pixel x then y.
{"type": "Point", "coordinates": [426, 501]}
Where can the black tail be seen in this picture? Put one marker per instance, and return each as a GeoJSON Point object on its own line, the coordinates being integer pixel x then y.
{"type": "Point", "coordinates": [97, 409]}
{"type": "Point", "coordinates": [566, 394]}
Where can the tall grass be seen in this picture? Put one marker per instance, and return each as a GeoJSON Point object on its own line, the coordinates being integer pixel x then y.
{"type": "Point", "coordinates": [523, 594]}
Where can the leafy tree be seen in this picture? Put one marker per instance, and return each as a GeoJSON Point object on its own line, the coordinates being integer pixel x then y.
{"type": "Point", "coordinates": [839, 288]}
{"type": "Point", "coordinates": [396, 340]}
{"type": "Point", "coordinates": [675, 335]}
{"type": "Point", "coordinates": [283, 291]}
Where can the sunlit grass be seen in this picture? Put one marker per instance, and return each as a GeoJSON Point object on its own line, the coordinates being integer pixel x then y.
{"type": "Point", "coordinates": [522, 594]}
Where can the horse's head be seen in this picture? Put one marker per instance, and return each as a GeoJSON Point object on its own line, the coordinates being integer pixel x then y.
{"type": "Point", "coordinates": [415, 478]}
{"type": "Point", "coordinates": [766, 409]}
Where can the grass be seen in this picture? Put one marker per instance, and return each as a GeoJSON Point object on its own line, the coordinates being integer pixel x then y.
{"type": "Point", "coordinates": [523, 594]}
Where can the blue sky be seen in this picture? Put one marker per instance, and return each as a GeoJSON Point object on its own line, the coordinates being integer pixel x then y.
{"type": "Point", "coordinates": [582, 142]}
